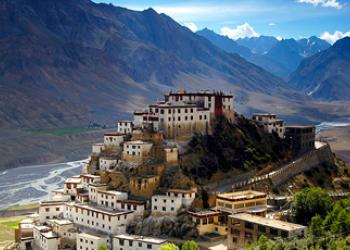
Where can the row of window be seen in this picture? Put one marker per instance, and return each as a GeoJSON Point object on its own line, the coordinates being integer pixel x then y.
{"type": "Point", "coordinates": [133, 146]}
{"type": "Point", "coordinates": [186, 118]}
{"type": "Point", "coordinates": [163, 208]}
{"type": "Point", "coordinates": [124, 123]}
{"type": "Point", "coordinates": [241, 205]}
{"type": "Point", "coordinates": [164, 201]}
{"type": "Point", "coordinates": [162, 111]}
{"type": "Point", "coordinates": [205, 221]}
{"type": "Point", "coordinates": [57, 209]}
{"type": "Point", "coordinates": [92, 223]}
{"type": "Point", "coordinates": [122, 242]}
{"type": "Point", "coordinates": [183, 195]}
{"type": "Point", "coordinates": [189, 97]}
{"type": "Point", "coordinates": [133, 153]}
{"type": "Point", "coordinates": [263, 229]}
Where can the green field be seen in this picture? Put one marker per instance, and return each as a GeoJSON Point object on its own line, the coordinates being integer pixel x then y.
{"type": "Point", "coordinates": [7, 229]}
{"type": "Point", "coordinates": [293, 111]}
{"type": "Point", "coordinates": [22, 207]}
{"type": "Point", "coordinates": [60, 131]}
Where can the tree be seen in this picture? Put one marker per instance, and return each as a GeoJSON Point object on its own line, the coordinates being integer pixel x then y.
{"type": "Point", "coordinates": [263, 243]}
{"type": "Point", "coordinates": [316, 227]}
{"type": "Point", "coordinates": [168, 246]}
{"type": "Point", "coordinates": [338, 220]}
{"type": "Point", "coordinates": [309, 202]}
{"type": "Point", "coordinates": [190, 245]}
{"type": "Point", "coordinates": [102, 247]}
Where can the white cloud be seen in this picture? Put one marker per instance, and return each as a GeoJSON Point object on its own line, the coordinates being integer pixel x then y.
{"type": "Point", "coordinates": [323, 3]}
{"type": "Point", "coordinates": [332, 38]}
{"type": "Point", "coordinates": [272, 24]}
{"type": "Point", "coordinates": [241, 31]}
{"type": "Point", "coordinates": [192, 26]}
{"type": "Point", "coordinates": [279, 38]}
{"type": "Point", "coordinates": [186, 11]}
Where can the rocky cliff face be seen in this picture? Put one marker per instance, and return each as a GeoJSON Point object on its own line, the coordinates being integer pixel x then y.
{"type": "Point", "coordinates": [170, 226]}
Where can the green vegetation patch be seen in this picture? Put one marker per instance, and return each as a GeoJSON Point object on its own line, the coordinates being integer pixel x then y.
{"type": "Point", "coordinates": [308, 203]}
{"type": "Point", "coordinates": [60, 131]}
{"type": "Point", "coordinates": [22, 207]}
{"type": "Point", "coordinates": [293, 111]}
{"type": "Point", "coordinates": [7, 229]}
{"type": "Point", "coordinates": [241, 145]}
{"type": "Point", "coordinates": [329, 224]}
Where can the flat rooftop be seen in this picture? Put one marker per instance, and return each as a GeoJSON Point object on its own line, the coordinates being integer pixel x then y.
{"type": "Point", "coordinates": [90, 235]}
{"type": "Point", "coordinates": [241, 195]}
{"type": "Point", "coordinates": [176, 104]}
{"type": "Point", "coordinates": [61, 222]}
{"type": "Point", "coordinates": [205, 92]}
{"type": "Point", "coordinates": [181, 191]}
{"type": "Point", "coordinates": [52, 202]}
{"type": "Point", "coordinates": [49, 235]}
{"type": "Point", "coordinates": [137, 142]}
{"type": "Point", "coordinates": [59, 190]}
{"type": "Point", "coordinates": [42, 228]}
{"type": "Point", "coordinates": [27, 221]}
{"type": "Point", "coordinates": [98, 184]}
{"type": "Point", "coordinates": [73, 180]}
{"type": "Point", "coordinates": [141, 238]}
{"type": "Point", "coordinates": [277, 224]}
{"type": "Point", "coordinates": [136, 202]}
{"type": "Point", "coordinates": [109, 157]}
{"type": "Point", "coordinates": [114, 134]}
{"type": "Point", "coordinates": [89, 175]}
{"type": "Point", "coordinates": [300, 126]}
{"type": "Point", "coordinates": [204, 213]}
{"type": "Point", "coordinates": [111, 192]}
{"type": "Point", "coordinates": [26, 226]}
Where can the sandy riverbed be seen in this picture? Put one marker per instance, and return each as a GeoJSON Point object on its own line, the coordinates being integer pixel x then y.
{"type": "Point", "coordinates": [339, 139]}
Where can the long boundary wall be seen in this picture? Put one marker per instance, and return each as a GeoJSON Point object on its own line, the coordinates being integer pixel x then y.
{"type": "Point", "coordinates": [322, 155]}
{"type": "Point", "coordinates": [314, 158]}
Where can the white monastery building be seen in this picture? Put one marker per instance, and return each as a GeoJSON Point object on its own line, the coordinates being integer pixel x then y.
{"type": "Point", "coordinates": [113, 139]}
{"type": "Point", "coordinates": [270, 123]}
{"type": "Point", "coordinates": [91, 241]}
{"type": "Point", "coordinates": [183, 113]}
{"type": "Point", "coordinates": [125, 127]}
{"type": "Point", "coordinates": [136, 150]}
{"type": "Point", "coordinates": [132, 242]}
{"type": "Point", "coordinates": [107, 162]}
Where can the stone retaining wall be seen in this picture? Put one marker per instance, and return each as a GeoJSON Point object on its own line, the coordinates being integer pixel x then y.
{"type": "Point", "coordinates": [320, 156]}
{"type": "Point", "coordinates": [314, 158]}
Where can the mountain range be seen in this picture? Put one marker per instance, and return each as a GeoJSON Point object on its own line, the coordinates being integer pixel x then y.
{"type": "Point", "coordinates": [326, 75]}
{"type": "Point", "coordinates": [258, 45]}
{"type": "Point", "coordinates": [69, 62]}
{"type": "Point", "coordinates": [278, 57]}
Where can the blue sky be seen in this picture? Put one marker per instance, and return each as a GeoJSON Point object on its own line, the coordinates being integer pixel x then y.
{"type": "Point", "coordinates": [237, 18]}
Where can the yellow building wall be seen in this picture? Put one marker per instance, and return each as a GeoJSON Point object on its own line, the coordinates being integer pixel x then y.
{"type": "Point", "coordinates": [143, 186]}
{"type": "Point", "coordinates": [214, 227]}
{"type": "Point", "coordinates": [245, 203]}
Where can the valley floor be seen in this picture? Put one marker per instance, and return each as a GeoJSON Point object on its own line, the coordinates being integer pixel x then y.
{"type": "Point", "coordinates": [339, 139]}
{"type": "Point", "coordinates": [21, 147]}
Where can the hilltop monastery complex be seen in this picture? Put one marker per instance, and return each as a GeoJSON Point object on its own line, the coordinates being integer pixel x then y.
{"type": "Point", "coordinates": [121, 183]}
